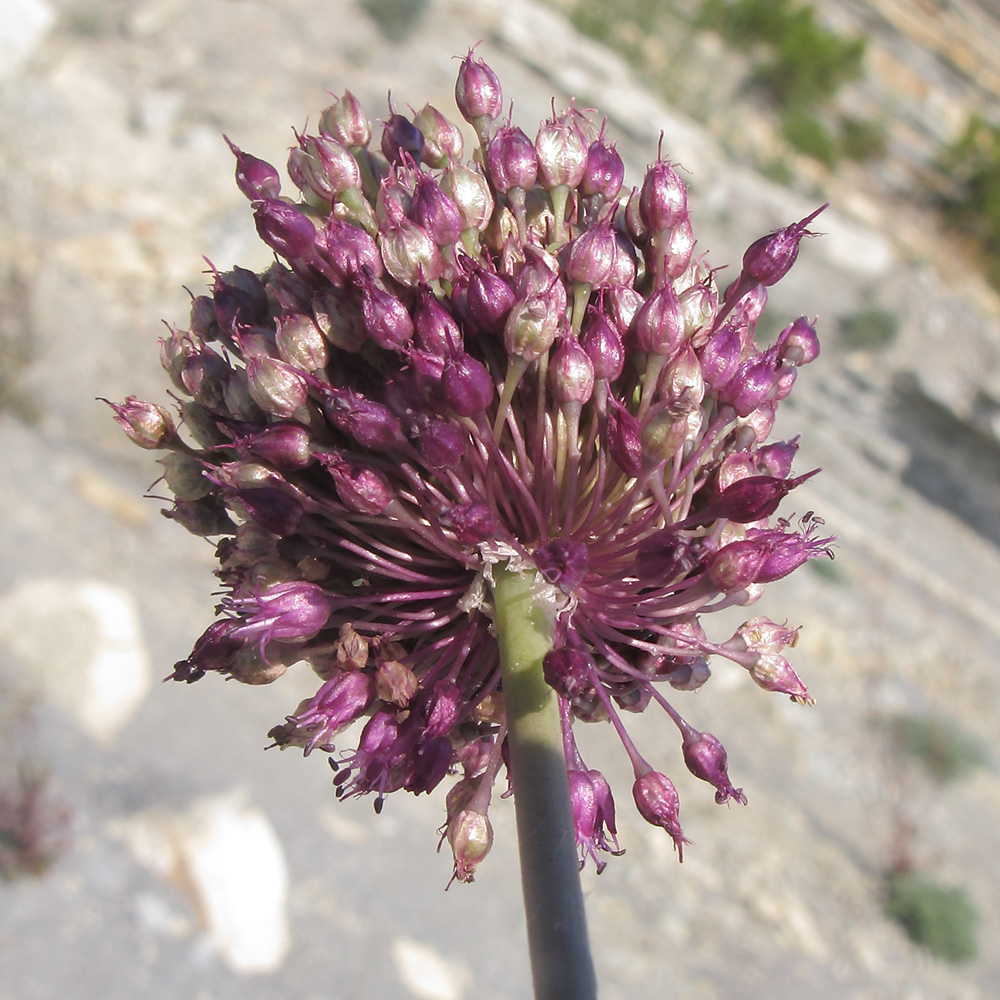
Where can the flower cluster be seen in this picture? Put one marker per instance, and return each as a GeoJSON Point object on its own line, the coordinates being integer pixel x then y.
{"type": "Point", "coordinates": [454, 366]}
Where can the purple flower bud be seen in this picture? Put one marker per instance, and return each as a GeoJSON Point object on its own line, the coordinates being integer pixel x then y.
{"type": "Point", "coordinates": [624, 438]}
{"type": "Point", "coordinates": [277, 388]}
{"type": "Point", "coordinates": [668, 253]}
{"type": "Point", "coordinates": [571, 373]}
{"type": "Point", "coordinates": [470, 191]}
{"type": "Point", "coordinates": [434, 328]}
{"type": "Point", "coordinates": [593, 811]}
{"type": "Point", "coordinates": [345, 120]}
{"type": "Point", "coordinates": [490, 299]}
{"type": "Point", "coordinates": [510, 159]}
{"type": "Point", "coordinates": [326, 167]}
{"type": "Point", "coordinates": [443, 141]}
{"type": "Point", "coordinates": [435, 212]}
{"type": "Point", "coordinates": [603, 346]}
{"type": "Point", "coordinates": [386, 319]}
{"type": "Point", "coordinates": [770, 258]}
{"type": "Point", "coordinates": [472, 523]}
{"type": "Point", "coordinates": [255, 178]}
{"type": "Point", "coordinates": [662, 557]}
{"type": "Point", "coordinates": [604, 172]}
{"type": "Point", "coordinates": [755, 497]}
{"type": "Point", "coordinates": [441, 707]}
{"type": "Point", "coordinates": [786, 551]}
{"type": "Point", "coordinates": [288, 232]}
{"type": "Point", "coordinates": [147, 424]}
{"type": "Point", "coordinates": [477, 91]}
{"type": "Point", "coordinates": [659, 324]}
{"type": "Point", "coordinates": [754, 383]}
{"type": "Point", "coordinates": [772, 672]}
{"type": "Point", "coordinates": [402, 140]}
{"type": "Point", "coordinates": [634, 225]}
{"type": "Point", "coordinates": [301, 343]}
{"type": "Point", "coordinates": [658, 804]}
{"type": "Point", "coordinates": [798, 343]}
{"type": "Point", "coordinates": [592, 255]}
{"type": "Point", "coordinates": [466, 385]}
{"type": "Point", "coordinates": [622, 305]}
{"type": "Point", "coordinates": [349, 251]}
{"type": "Point", "coordinates": [699, 304]}
{"type": "Point", "coordinates": [563, 563]}
{"type": "Point", "coordinates": [562, 154]}
{"type": "Point", "coordinates": [470, 835]}
{"type": "Point", "coordinates": [271, 507]}
{"type": "Point", "coordinates": [295, 611]}
{"type": "Point", "coordinates": [706, 758]}
{"type": "Point", "coordinates": [428, 764]}
{"type": "Point", "coordinates": [735, 566]}
{"type": "Point", "coordinates": [372, 425]}
{"type": "Point", "coordinates": [442, 445]}
{"type": "Point", "coordinates": [360, 489]}
{"type": "Point", "coordinates": [569, 673]}
{"type": "Point", "coordinates": [285, 446]}
{"type": "Point", "coordinates": [776, 459]}
{"type": "Point", "coordinates": [663, 200]}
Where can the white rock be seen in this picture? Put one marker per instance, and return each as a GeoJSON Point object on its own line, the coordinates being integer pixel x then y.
{"type": "Point", "coordinates": [79, 643]}
{"type": "Point", "coordinates": [427, 974]}
{"type": "Point", "coordinates": [227, 856]}
{"type": "Point", "coordinates": [22, 27]}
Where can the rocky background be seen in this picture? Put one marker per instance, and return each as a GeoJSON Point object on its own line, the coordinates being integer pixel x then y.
{"type": "Point", "coordinates": [190, 864]}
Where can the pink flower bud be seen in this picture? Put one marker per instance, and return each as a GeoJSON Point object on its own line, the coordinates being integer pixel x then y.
{"type": "Point", "coordinates": [511, 160]}
{"type": "Point", "coordinates": [255, 178]}
{"type": "Point", "coordinates": [410, 253]}
{"type": "Point", "coordinates": [603, 346]}
{"type": "Point", "coordinates": [477, 91]}
{"type": "Point", "coordinates": [604, 172]}
{"type": "Point", "coordinates": [147, 424]}
{"type": "Point", "coordinates": [659, 324]}
{"type": "Point", "coordinates": [706, 758]}
{"type": "Point", "coordinates": [466, 385]}
{"type": "Point", "coordinates": [798, 343]}
{"type": "Point", "coordinates": [360, 489]}
{"type": "Point", "coordinates": [571, 373]}
{"type": "Point", "coordinates": [771, 257]}
{"type": "Point", "coordinates": [592, 255]}
{"type": "Point", "coordinates": [562, 154]}
{"type": "Point", "coordinates": [658, 804]}
{"type": "Point", "coordinates": [402, 140]}
{"type": "Point", "coordinates": [386, 319]}
{"type": "Point", "coordinates": [663, 199]}
{"type": "Point", "coordinates": [288, 232]}
{"type": "Point", "coordinates": [277, 388]}
{"type": "Point", "coordinates": [345, 120]}
{"type": "Point", "coordinates": [443, 141]}
{"type": "Point", "coordinates": [470, 191]}
{"type": "Point", "coordinates": [435, 212]}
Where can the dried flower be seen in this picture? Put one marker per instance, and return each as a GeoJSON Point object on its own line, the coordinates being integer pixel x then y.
{"type": "Point", "coordinates": [463, 369]}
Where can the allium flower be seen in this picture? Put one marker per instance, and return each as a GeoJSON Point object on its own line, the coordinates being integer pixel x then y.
{"type": "Point", "coordinates": [453, 373]}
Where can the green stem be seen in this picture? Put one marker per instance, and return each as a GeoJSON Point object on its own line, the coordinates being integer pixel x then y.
{"type": "Point", "coordinates": [561, 965]}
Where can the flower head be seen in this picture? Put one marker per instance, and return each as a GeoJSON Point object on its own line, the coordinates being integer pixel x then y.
{"type": "Point", "coordinates": [455, 369]}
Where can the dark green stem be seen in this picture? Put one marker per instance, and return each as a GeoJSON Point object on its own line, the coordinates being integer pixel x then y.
{"type": "Point", "coordinates": [557, 929]}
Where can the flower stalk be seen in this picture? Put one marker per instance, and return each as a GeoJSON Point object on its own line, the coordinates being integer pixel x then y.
{"type": "Point", "coordinates": [561, 963]}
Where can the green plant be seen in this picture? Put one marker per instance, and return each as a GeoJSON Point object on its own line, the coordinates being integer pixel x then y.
{"type": "Point", "coordinates": [869, 328]}
{"type": "Point", "coordinates": [936, 917]}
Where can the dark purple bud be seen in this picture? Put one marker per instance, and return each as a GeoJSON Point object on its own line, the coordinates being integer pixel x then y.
{"type": "Point", "coordinates": [798, 343]}
{"type": "Point", "coordinates": [569, 673]}
{"type": "Point", "coordinates": [770, 258]}
{"type": "Point", "coordinates": [706, 758]}
{"type": "Point", "coordinates": [288, 232]}
{"type": "Point", "coordinates": [285, 446]}
{"type": "Point", "coordinates": [786, 551]}
{"type": "Point", "coordinates": [624, 438]}
{"type": "Point", "coordinates": [511, 160]}
{"type": "Point", "coordinates": [658, 804]}
{"type": "Point", "coordinates": [472, 523]}
{"type": "Point", "coordinates": [214, 650]}
{"type": "Point", "coordinates": [442, 445]}
{"type": "Point", "coordinates": [443, 141]}
{"type": "Point", "coordinates": [466, 385]}
{"type": "Point", "coordinates": [440, 707]}
{"type": "Point", "coordinates": [294, 611]}
{"type": "Point", "coordinates": [435, 212]}
{"type": "Point", "coordinates": [662, 556]}
{"type": "Point", "coordinates": [720, 357]}
{"type": "Point", "coordinates": [363, 490]}
{"type": "Point", "coordinates": [477, 90]}
{"type": "Point", "coordinates": [571, 373]}
{"type": "Point", "coordinates": [490, 300]}
{"type": "Point", "coordinates": [428, 764]}
{"type": "Point", "coordinates": [434, 328]}
{"type": "Point", "coordinates": [350, 251]}
{"type": "Point", "coordinates": [345, 120]}
{"type": "Point", "coordinates": [603, 346]}
{"type": "Point", "coordinates": [663, 200]}
{"type": "Point", "coordinates": [659, 324]}
{"type": "Point", "coordinates": [563, 563]}
{"type": "Point", "coordinates": [272, 508]}
{"type": "Point", "coordinates": [592, 255]}
{"type": "Point", "coordinates": [205, 375]}
{"type": "Point", "coordinates": [562, 154]}
{"type": "Point", "coordinates": [147, 424]}
{"type": "Point", "coordinates": [604, 172]}
{"type": "Point", "coordinates": [372, 425]}
{"type": "Point", "coordinates": [755, 497]}
{"type": "Point", "coordinates": [402, 140]}
{"type": "Point", "coordinates": [277, 388]}
{"type": "Point", "coordinates": [256, 178]}
{"type": "Point", "coordinates": [386, 319]}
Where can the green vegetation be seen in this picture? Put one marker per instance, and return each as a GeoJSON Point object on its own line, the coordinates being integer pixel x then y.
{"type": "Point", "coordinates": [938, 745]}
{"type": "Point", "coordinates": [939, 918]}
{"type": "Point", "coordinates": [869, 329]}
{"type": "Point", "coordinates": [973, 205]}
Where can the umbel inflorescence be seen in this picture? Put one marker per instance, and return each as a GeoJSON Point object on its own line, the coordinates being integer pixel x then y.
{"type": "Point", "coordinates": [459, 368]}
